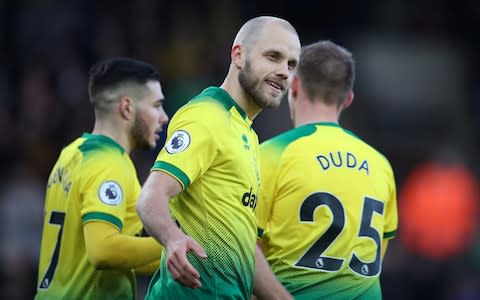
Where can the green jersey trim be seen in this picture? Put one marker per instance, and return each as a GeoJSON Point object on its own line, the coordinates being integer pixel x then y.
{"type": "Point", "coordinates": [292, 135]}
{"type": "Point", "coordinates": [356, 136]}
{"type": "Point", "coordinates": [333, 124]}
{"type": "Point", "coordinates": [96, 141]}
{"type": "Point", "coordinates": [99, 216]}
{"type": "Point", "coordinates": [389, 235]}
{"type": "Point", "coordinates": [171, 169]}
{"type": "Point", "coordinates": [223, 97]}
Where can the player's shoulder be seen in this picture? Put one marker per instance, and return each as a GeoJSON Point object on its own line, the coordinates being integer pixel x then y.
{"type": "Point", "coordinates": [212, 105]}
{"type": "Point", "coordinates": [374, 152]}
{"type": "Point", "coordinates": [272, 150]}
{"type": "Point", "coordinates": [287, 138]}
{"type": "Point", "coordinates": [100, 147]}
{"type": "Point", "coordinates": [72, 148]}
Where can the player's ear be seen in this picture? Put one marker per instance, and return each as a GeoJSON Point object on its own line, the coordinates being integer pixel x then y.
{"type": "Point", "coordinates": [237, 56]}
{"type": "Point", "coordinates": [348, 100]}
{"type": "Point", "coordinates": [126, 108]}
{"type": "Point", "coordinates": [294, 85]}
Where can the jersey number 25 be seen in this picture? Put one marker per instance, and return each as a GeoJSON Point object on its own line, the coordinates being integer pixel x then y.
{"type": "Point", "coordinates": [314, 258]}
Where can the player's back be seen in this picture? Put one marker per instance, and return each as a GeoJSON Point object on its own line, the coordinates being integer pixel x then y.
{"type": "Point", "coordinates": [331, 202]}
{"type": "Point", "coordinates": [74, 187]}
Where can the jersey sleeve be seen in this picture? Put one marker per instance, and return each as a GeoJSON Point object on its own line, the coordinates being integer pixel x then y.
{"type": "Point", "coordinates": [106, 182]}
{"type": "Point", "coordinates": [191, 144]}
{"type": "Point", "coordinates": [269, 162]}
{"type": "Point", "coordinates": [391, 214]}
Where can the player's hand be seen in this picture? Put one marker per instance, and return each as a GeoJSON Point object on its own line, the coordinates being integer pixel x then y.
{"type": "Point", "coordinates": [178, 264]}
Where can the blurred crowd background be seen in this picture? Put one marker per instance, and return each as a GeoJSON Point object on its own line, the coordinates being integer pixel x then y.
{"type": "Point", "coordinates": [417, 100]}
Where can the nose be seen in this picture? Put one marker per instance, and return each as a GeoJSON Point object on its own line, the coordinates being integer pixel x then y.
{"type": "Point", "coordinates": [163, 118]}
{"type": "Point", "coordinates": [284, 71]}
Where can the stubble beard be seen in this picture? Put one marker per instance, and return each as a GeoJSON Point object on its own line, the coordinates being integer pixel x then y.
{"type": "Point", "coordinates": [252, 86]}
{"type": "Point", "coordinates": [140, 134]}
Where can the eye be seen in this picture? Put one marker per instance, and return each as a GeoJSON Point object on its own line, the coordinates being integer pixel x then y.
{"type": "Point", "coordinates": [158, 104]}
{"type": "Point", "coordinates": [292, 65]}
{"type": "Point", "coordinates": [273, 56]}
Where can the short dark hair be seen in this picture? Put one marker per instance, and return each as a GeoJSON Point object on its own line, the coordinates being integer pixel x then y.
{"type": "Point", "coordinates": [326, 71]}
{"type": "Point", "coordinates": [112, 73]}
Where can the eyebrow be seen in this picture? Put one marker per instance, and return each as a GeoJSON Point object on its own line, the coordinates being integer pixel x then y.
{"type": "Point", "coordinates": [293, 62]}
{"type": "Point", "coordinates": [273, 51]}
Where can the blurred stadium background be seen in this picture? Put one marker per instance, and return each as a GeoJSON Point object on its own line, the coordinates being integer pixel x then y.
{"type": "Point", "coordinates": [417, 101]}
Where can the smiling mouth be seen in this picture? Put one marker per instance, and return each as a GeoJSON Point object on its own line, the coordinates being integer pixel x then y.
{"type": "Point", "coordinates": [275, 85]}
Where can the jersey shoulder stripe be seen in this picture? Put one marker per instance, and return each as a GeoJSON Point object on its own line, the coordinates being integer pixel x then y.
{"type": "Point", "coordinates": [390, 235]}
{"type": "Point", "coordinates": [94, 143]}
{"type": "Point", "coordinates": [281, 141]}
{"type": "Point", "coordinates": [100, 216]}
{"type": "Point", "coordinates": [174, 171]}
{"type": "Point", "coordinates": [219, 95]}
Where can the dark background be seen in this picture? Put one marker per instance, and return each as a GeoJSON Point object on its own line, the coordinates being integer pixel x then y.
{"type": "Point", "coordinates": [417, 95]}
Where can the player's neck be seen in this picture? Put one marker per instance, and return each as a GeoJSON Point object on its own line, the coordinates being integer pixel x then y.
{"type": "Point", "coordinates": [113, 132]}
{"type": "Point", "coordinates": [233, 88]}
{"type": "Point", "coordinates": [316, 113]}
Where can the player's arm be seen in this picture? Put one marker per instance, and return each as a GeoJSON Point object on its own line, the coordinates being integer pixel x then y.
{"type": "Point", "coordinates": [391, 216]}
{"type": "Point", "coordinates": [384, 247]}
{"type": "Point", "coordinates": [152, 207]}
{"type": "Point", "coordinates": [107, 248]}
{"type": "Point", "coordinates": [266, 285]}
{"type": "Point", "coordinates": [148, 269]}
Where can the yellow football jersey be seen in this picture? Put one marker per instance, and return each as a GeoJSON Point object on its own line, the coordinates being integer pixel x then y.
{"type": "Point", "coordinates": [93, 180]}
{"type": "Point", "coordinates": [212, 151]}
{"type": "Point", "coordinates": [326, 202]}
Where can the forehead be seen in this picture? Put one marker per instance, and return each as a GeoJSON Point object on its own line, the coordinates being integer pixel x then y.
{"type": "Point", "coordinates": [278, 38]}
{"type": "Point", "coordinates": [155, 89]}
{"type": "Point", "coordinates": [149, 93]}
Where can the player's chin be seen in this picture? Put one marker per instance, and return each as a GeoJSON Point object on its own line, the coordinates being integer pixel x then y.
{"type": "Point", "coordinates": [150, 144]}
{"type": "Point", "coordinates": [153, 143]}
{"type": "Point", "coordinates": [273, 101]}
